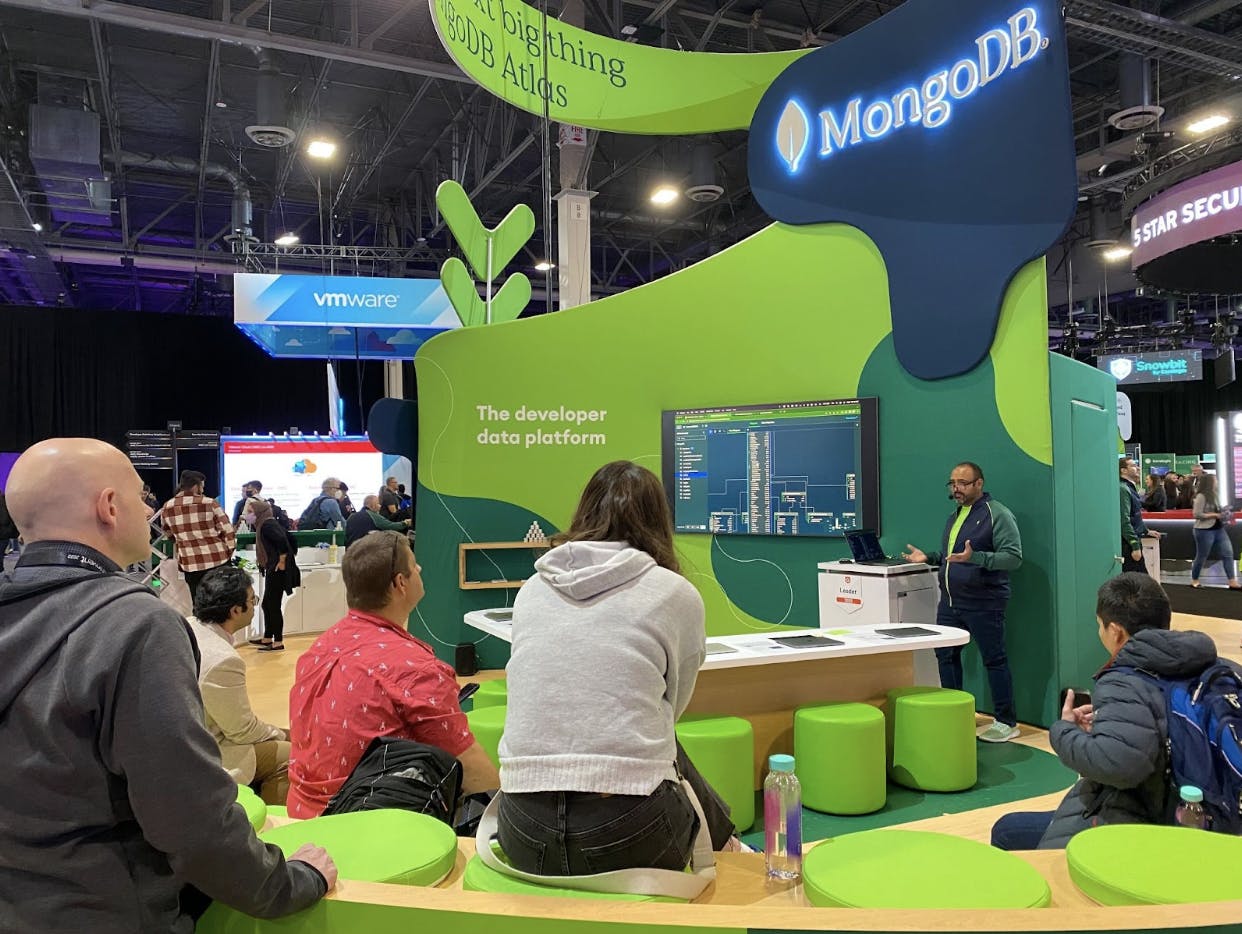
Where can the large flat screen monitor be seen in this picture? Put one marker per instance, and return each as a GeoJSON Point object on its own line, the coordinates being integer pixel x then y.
{"type": "Point", "coordinates": [788, 468]}
{"type": "Point", "coordinates": [292, 470]}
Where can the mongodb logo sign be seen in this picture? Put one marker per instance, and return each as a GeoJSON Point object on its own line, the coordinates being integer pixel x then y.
{"type": "Point", "coordinates": [929, 105]}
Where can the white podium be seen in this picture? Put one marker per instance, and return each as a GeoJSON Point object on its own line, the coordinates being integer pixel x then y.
{"type": "Point", "coordinates": [852, 594]}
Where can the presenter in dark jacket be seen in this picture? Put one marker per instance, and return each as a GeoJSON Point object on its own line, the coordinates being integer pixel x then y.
{"type": "Point", "coordinates": [113, 797]}
{"type": "Point", "coordinates": [370, 520]}
{"type": "Point", "coordinates": [980, 546]}
{"type": "Point", "coordinates": [277, 556]}
{"type": "Point", "coordinates": [1133, 528]}
{"type": "Point", "coordinates": [1117, 743]}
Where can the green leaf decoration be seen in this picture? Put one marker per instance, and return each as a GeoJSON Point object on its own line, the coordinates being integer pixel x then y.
{"type": "Point", "coordinates": [513, 296]}
{"type": "Point", "coordinates": [463, 221]}
{"type": "Point", "coordinates": [462, 293]}
{"type": "Point", "coordinates": [509, 236]}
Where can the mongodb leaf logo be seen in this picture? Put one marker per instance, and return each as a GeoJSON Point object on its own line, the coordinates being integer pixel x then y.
{"type": "Point", "coordinates": [793, 131]}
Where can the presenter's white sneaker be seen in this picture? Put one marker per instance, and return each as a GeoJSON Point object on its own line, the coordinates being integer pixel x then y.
{"type": "Point", "coordinates": [998, 732]}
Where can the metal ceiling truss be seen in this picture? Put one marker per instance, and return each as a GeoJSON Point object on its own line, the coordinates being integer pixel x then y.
{"type": "Point", "coordinates": [1131, 30]}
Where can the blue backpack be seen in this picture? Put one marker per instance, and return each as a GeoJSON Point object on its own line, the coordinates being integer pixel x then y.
{"type": "Point", "coordinates": [1204, 745]}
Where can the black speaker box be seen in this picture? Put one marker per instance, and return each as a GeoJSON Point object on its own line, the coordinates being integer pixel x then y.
{"type": "Point", "coordinates": [466, 662]}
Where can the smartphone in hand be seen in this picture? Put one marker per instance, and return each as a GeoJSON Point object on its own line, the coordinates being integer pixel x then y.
{"type": "Point", "coordinates": [1081, 698]}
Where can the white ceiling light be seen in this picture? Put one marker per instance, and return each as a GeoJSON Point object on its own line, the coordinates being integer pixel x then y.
{"type": "Point", "coordinates": [38, 228]}
{"type": "Point", "coordinates": [1207, 124]}
{"type": "Point", "coordinates": [286, 239]}
{"type": "Point", "coordinates": [665, 194]}
{"type": "Point", "coordinates": [1117, 253]}
{"type": "Point", "coordinates": [544, 266]}
{"type": "Point", "coordinates": [321, 149]}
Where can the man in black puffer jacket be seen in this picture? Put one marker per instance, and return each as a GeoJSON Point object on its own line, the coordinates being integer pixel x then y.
{"type": "Point", "coordinates": [1117, 745]}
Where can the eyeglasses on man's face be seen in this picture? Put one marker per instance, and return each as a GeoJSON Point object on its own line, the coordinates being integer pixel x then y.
{"type": "Point", "coordinates": [961, 484]}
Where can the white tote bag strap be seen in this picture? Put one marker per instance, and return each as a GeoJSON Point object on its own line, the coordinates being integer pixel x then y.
{"type": "Point", "coordinates": [665, 882]}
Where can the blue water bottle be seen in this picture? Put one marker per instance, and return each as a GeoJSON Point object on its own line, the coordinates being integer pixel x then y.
{"type": "Point", "coordinates": [782, 820]}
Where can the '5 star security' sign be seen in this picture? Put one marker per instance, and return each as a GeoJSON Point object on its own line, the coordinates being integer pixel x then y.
{"type": "Point", "coordinates": [942, 131]}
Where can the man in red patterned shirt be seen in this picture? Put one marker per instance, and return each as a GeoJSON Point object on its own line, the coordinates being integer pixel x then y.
{"type": "Point", "coordinates": [367, 677]}
{"type": "Point", "coordinates": [199, 528]}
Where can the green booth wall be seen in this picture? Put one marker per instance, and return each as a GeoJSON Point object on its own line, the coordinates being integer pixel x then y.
{"type": "Point", "coordinates": [791, 313]}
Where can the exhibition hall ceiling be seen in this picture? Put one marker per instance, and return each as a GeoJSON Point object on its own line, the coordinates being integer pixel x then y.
{"type": "Point", "coordinates": [139, 190]}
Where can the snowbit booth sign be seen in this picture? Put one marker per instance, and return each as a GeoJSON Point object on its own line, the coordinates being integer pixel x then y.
{"type": "Point", "coordinates": [942, 132]}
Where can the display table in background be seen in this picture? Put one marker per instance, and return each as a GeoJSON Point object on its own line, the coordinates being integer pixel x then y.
{"type": "Point", "coordinates": [765, 682]}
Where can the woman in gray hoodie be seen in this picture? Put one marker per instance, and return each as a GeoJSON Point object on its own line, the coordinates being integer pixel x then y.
{"type": "Point", "coordinates": [608, 637]}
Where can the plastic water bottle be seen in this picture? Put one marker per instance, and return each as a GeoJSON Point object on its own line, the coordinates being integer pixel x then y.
{"type": "Point", "coordinates": [782, 820]}
{"type": "Point", "coordinates": [332, 547]}
{"type": "Point", "coordinates": [1190, 811]}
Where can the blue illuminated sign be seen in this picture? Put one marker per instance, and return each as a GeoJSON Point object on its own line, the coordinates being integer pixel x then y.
{"type": "Point", "coordinates": [928, 103]}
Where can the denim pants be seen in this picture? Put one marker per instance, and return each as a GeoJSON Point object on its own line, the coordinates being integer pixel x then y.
{"type": "Point", "coordinates": [1208, 541]}
{"type": "Point", "coordinates": [569, 833]}
{"type": "Point", "coordinates": [1021, 830]}
{"type": "Point", "coordinates": [987, 630]}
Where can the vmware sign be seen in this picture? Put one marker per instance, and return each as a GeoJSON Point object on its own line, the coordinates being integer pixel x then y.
{"type": "Point", "coordinates": [1170, 366]}
{"type": "Point", "coordinates": [942, 132]}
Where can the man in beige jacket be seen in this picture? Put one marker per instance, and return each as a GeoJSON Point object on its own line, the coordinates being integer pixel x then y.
{"type": "Point", "coordinates": [250, 749]}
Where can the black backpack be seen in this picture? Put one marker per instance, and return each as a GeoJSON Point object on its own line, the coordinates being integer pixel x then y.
{"type": "Point", "coordinates": [312, 516]}
{"type": "Point", "coordinates": [402, 774]}
{"type": "Point", "coordinates": [281, 516]}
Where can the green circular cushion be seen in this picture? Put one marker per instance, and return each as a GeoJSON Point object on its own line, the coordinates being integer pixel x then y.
{"type": "Point", "coordinates": [919, 870]}
{"type": "Point", "coordinates": [488, 725]}
{"type": "Point", "coordinates": [277, 810]}
{"type": "Point", "coordinates": [931, 738]}
{"type": "Point", "coordinates": [491, 694]}
{"type": "Point", "coordinates": [482, 878]}
{"type": "Point", "coordinates": [252, 804]}
{"type": "Point", "coordinates": [1137, 864]}
{"type": "Point", "coordinates": [394, 846]}
{"type": "Point", "coordinates": [723, 750]}
{"type": "Point", "coordinates": [839, 753]}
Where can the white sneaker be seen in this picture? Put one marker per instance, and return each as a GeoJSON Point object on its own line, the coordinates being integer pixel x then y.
{"type": "Point", "coordinates": [998, 732]}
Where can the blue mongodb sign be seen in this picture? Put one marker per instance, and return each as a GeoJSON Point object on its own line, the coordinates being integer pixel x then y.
{"type": "Point", "coordinates": [943, 132]}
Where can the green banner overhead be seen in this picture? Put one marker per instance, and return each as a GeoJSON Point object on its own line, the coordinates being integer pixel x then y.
{"type": "Point", "coordinates": [510, 49]}
{"type": "Point", "coordinates": [1185, 463]}
{"type": "Point", "coordinates": [1151, 462]}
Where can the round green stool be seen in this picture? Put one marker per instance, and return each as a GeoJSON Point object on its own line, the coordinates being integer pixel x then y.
{"type": "Point", "coordinates": [491, 694]}
{"type": "Point", "coordinates": [839, 750]}
{"type": "Point", "coordinates": [723, 750]}
{"type": "Point", "coordinates": [479, 877]}
{"type": "Point", "coordinates": [931, 739]}
{"type": "Point", "coordinates": [1138, 864]}
{"type": "Point", "coordinates": [399, 847]}
{"type": "Point", "coordinates": [488, 724]}
{"type": "Point", "coordinates": [252, 804]}
{"type": "Point", "coordinates": [918, 870]}
{"type": "Point", "coordinates": [277, 810]}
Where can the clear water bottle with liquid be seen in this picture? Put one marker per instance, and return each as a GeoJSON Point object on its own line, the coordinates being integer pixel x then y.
{"type": "Point", "coordinates": [332, 552]}
{"type": "Point", "coordinates": [782, 820]}
{"type": "Point", "coordinates": [1190, 812]}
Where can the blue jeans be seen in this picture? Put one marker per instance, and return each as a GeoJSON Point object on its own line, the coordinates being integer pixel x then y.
{"type": "Point", "coordinates": [987, 630]}
{"type": "Point", "coordinates": [1208, 541]}
{"type": "Point", "coordinates": [1021, 830]}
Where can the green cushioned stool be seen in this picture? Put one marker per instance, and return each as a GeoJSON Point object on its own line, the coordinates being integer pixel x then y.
{"type": "Point", "coordinates": [839, 749]}
{"type": "Point", "coordinates": [723, 750]}
{"type": "Point", "coordinates": [277, 810]}
{"type": "Point", "coordinates": [488, 724]}
{"type": "Point", "coordinates": [1137, 864]}
{"type": "Point", "coordinates": [482, 878]}
{"type": "Point", "coordinates": [252, 804]}
{"type": "Point", "coordinates": [918, 870]}
{"type": "Point", "coordinates": [399, 847]}
{"type": "Point", "coordinates": [931, 739]}
{"type": "Point", "coordinates": [491, 694]}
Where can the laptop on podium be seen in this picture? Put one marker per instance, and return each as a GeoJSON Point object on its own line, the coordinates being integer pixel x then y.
{"type": "Point", "coordinates": [865, 547]}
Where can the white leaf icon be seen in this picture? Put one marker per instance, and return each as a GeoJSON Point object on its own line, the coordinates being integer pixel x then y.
{"type": "Point", "coordinates": [792, 133]}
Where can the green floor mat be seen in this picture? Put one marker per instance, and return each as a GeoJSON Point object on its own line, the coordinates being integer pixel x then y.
{"type": "Point", "coordinates": [1007, 772]}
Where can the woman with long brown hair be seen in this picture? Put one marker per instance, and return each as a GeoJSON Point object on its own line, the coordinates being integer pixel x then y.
{"type": "Point", "coordinates": [277, 560]}
{"type": "Point", "coordinates": [1210, 533]}
{"type": "Point", "coordinates": [608, 638]}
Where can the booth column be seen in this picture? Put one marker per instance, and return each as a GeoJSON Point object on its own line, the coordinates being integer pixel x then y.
{"type": "Point", "coordinates": [394, 379]}
{"type": "Point", "coordinates": [574, 246]}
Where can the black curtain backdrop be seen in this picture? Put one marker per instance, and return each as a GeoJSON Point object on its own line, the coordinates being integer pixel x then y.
{"type": "Point", "coordinates": [1178, 417]}
{"type": "Point", "coordinates": [98, 374]}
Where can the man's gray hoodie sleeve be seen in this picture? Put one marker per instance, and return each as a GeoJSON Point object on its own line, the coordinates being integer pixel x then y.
{"type": "Point", "coordinates": [180, 794]}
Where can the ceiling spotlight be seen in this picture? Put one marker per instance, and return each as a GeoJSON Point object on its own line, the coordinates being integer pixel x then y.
{"type": "Point", "coordinates": [321, 149]}
{"type": "Point", "coordinates": [222, 105]}
{"type": "Point", "coordinates": [1207, 124]}
{"type": "Point", "coordinates": [286, 239]}
{"type": "Point", "coordinates": [1117, 253]}
{"type": "Point", "coordinates": [629, 29]}
{"type": "Point", "coordinates": [665, 194]}
{"type": "Point", "coordinates": [544, 266]}
{"type": "Point", "coordinates": [38, 228]}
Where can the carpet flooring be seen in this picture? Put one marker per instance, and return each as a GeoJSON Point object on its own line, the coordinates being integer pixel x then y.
{"type": "Point", "coordinates": [1007, 772]}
